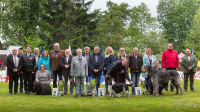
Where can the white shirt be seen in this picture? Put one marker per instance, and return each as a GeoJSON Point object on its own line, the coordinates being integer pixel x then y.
{"type": "Point", "coordinates": [67, 58]}
{"type": "Point", "coordinates": [36, 60]}
{"type": "Point", "coordinates": [188, 58]}
{"type": "Point", "coordinates": [28, 54]}
{"type": "Point", "coordinates": [15, 57]}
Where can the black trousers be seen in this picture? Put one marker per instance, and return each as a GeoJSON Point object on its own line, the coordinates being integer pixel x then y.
{"type": "Point", "coordinates": [27, 81]}
{"type": "Point", "coordinates": [21, 82]}
{"type": "Point", "coordinates": [15, 79]}
{"type": "Point", "coordinates": [32, 81]}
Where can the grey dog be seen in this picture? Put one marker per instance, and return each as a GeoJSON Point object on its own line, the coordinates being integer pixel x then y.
{"type": "Point", "coordinates": [163, 77]}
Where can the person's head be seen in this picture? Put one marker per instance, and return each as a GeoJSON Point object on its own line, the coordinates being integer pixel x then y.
{"type": "Point", "coordinates": [42, 67]}
{"type": "Point", "coordinates": [20, 51]}
{"type": "Point", "coordinates": [156, 64]}
{"type": "Point", "coordinates": [14, 51]}
{"type": "Point", "coordinates": [79, 52]}
{"type": "Point", "coordinates": [135, 50]}
{"type": "Point", "coordinates": [149, 51]}
{"type": "Point", "coordinates": [124, 61]}
{"type": "Point", "coordinates": [45, 53]}
{"type": "Point", "coordinates": [86, 50]}
{"type": "Point", "coordinates": [122, 51]}
{"type": "Point", "coordinates": [36, 51]}
{"type": "Point", "coordinates": [67, 52]}
{"type": "Point", "coordinates": [56, 46]}
{"type": "Point", "coordinates": [188, 52]}
{"type": "Point", "coordinates": [96, 49]}
{"type": "Point", "coordinates": [28, 49]}
{"type": "Point", "coordinates": [109, 50]}
{"type": "Point", "coordinates": [170, 46]}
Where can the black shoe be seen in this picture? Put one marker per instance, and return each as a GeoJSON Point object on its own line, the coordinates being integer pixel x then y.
{"type": "Point", "coordinates": [133, 93]}
{"type": "Point", "coordinates": [25, 92]}
{"type": "Point", "coordinates": [184, 90]}
{"type": "Point", "coordinates": [65, 93]}
{"type": "Point", "coordinates": [107, 92]}
{"type": "Point", "coordinates": [16, 93]}
{"type": "Point", "coordinates": [21, 91]}
{"type": "Point", "coordinates": [75, 96]}
{"type": "Point", "coordinates": [83, 95]}
{"type": "Point", "coordinates": [193, 90]}
{"type": "Point", "coordinates": [30, 92]}
{"type": "Point", "coordinates": [160, 92]}
{"type": "Point", "coordinates": [10, 94]}
{"type": "Point", "coordinates": [151, 92]}
{"type": "Point", "coordinates": [71, 93]}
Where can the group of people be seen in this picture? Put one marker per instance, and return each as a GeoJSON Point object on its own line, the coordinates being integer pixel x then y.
{"type": "Point", "coordinates": [33, 67]}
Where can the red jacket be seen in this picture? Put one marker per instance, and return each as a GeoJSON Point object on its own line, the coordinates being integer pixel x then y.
{"type": "Point", "coordinates": [170, 59]}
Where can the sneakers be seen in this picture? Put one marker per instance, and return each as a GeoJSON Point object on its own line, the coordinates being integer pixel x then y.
{"type": "Point", "coordinates": [83, 95]}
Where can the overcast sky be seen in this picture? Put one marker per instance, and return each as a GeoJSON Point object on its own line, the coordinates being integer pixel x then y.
{"type": "Point", "coordinates": [101, 4]}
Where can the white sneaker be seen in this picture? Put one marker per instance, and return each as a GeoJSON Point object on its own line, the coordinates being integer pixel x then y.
{"type": "Point", "coordinates": [119, 94]}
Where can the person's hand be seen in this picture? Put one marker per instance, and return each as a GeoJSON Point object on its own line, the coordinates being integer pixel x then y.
{"type": "Point", "coordinates": [131, 82]}
{"type": "Point", "coordinates": [106, 75]}
{"type": "Point", "coordinates": [164, 69]}
{"type": "Point", "coordinates": [47, 82]}
{"type": "Point", "coordinates": [104, 69]}
{"type": "Point", "coordinates": [97, 70]}
{"type": "Point", "coordinates": [33, 72]}
{"type": "Point", "coordinates": [51, 69]}
{"type": "Point", "coordinates": [66, 66]}
{"type": "Point", "coordinates": [16, 70]}
{"type": "Point", "coordinates": [122, 71]}
{"type": "Point", "coordinates": [22, 72]}
{"type": "Point", "coordinates": [176, 69]}
{"type": "Point", "coordinates": [36, 80]}
{"type": "Point", "coordinates": [190, 68]}
{"type": "Point", "coordinates": [85, 76]}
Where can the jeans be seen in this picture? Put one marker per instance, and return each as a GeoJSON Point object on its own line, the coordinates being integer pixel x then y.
{"type": "Point", "coordinates": [21, 82]}
{"type": "Point", "coordinates": [79, 81]}
{"type": "Point", "coordinates": [106, 84]}
{"type": "Point", "coordinates": [54, 77]}
{"type": "Point", "coordinates": [88, 82]}
{"type": "Point", "coordinates": [135, 76]}
{"type": "Point", "coordinates": [171, 87]}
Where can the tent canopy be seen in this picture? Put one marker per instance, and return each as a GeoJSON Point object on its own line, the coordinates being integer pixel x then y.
{"type": "Point", "coordinates": [180, 56]}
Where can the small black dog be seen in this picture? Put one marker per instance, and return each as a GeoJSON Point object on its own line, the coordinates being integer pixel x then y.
{"type": "Point", "coordinates": [117, 87]}
{"type": "Point", "coordinates": [42, 89]}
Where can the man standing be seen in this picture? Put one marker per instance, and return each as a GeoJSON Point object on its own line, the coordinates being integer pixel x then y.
{"type": "Point", "coordinates": [189, 64]}
{"type": "Point", "coordinates": [54, 59]}
{"type": "Point", "coordinates": [14, 65]}
{"type": "Point", "coordinates": [96, 64]}
{"type": "Point", "coordinates": [37, 57]}
{"type": "Point", "coordinates": [79, 70]}
{"type": "Point", "coordinates": [170, 62]}
{"type": "Point", "coordinates": [135, 65]}
{"type": "Point", "coordinates": [65, 63]}
{"type": "Point", "coordinates": [20, 52]}
{"type": "Point", "coordinates": [28, 69]}
{"type": "Point", "coordinates": [86, 54]}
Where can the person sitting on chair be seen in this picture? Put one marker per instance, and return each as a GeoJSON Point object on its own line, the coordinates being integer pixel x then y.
{"type": "Point", "coordinates": [43, 76]}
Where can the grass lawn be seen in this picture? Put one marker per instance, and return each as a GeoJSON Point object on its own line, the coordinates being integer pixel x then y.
{"type": "Point", "coordinates": [189, 101]}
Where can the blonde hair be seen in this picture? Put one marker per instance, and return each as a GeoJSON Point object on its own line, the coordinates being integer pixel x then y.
{"type": "Point", "coordinates": [111, 49]}
{"type": "Point", "coordinates": [120, 50]}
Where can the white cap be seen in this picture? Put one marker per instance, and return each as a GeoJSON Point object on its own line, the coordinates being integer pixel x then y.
{"type": "Point", "coordinates": [56, 44]}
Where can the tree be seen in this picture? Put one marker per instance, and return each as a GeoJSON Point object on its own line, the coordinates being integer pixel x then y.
{"type": "Point", "coordinates": [176, 19]}
{"type": "Point", "coordinates": [192, 41]}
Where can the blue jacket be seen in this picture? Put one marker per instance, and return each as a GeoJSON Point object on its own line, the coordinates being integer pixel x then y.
{"type": "Point", "coordinates": [150, 84]}
{"type": "Point", "coordinates": [147, 62]}
{"type": "Point", "coordinates": [44, 61]}
{"type": "Point", "coordinates": [108, 61]}
{"type": "Point", "coordinates": [93, 65]}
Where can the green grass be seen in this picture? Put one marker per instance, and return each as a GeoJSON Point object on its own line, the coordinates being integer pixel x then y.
{"type": "Point", "coordinates": [189, 101]}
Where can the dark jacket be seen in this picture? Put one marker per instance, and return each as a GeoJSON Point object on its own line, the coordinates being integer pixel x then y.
{"type": "Point", "coordinates": [120, 58]}
{"type": "Point", "coordinates": [62, 63]}
{"type": "Point", "coordinates": [116, 68]}
{"type": "Point", "coordinates": [93, 65]}
{"type": "Point", "coordinates": [10, 65]}
{"type": "Point", "coordinates": [108, 61]}
{"type": "Point", "coordinates": [150, 84]}
{"type": "Point", "coordinates": [28, 63]}
{"type": "Point", "coordinates": [54, 61]}
{"type": "Point", "coordinates": [131, 62]}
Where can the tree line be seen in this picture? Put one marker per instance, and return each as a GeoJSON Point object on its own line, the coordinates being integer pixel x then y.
{"type": "Point", "coordinates": [70, 22]}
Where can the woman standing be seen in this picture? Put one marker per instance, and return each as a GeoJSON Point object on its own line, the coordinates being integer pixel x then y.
{"type": "Point", "coordinates": [121, 55]}
{"type": "Point", "coordinates": [148, 59]}
{"type": "Point", "coordinates": [109, 59]}
{"type": "Point", "coordinates": [44, 60]}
